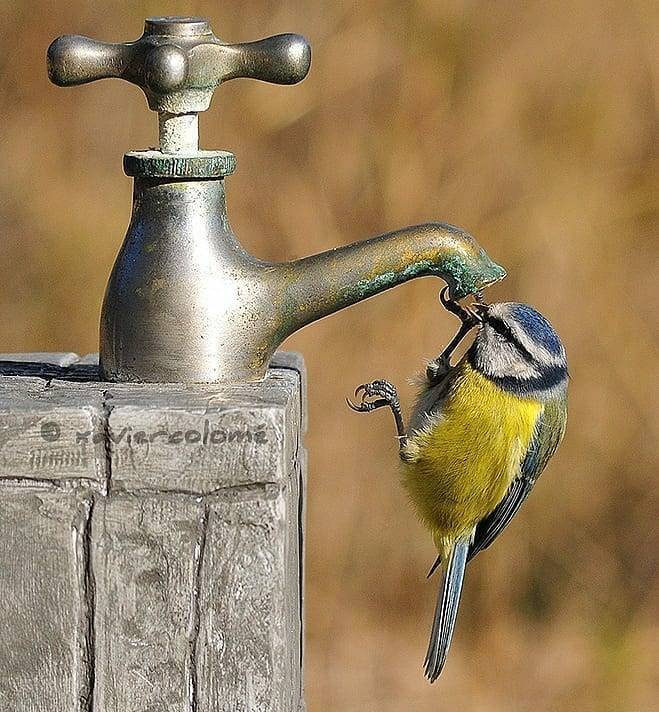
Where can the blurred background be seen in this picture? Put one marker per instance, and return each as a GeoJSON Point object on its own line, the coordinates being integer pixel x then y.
{"type": "Point", "coordinates": [532, 125]}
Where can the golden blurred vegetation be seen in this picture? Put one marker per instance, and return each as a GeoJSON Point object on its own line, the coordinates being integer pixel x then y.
{"type": "Point", "coordinates": [531, 124]}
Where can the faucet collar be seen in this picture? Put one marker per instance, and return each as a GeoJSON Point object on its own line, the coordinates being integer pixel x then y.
{"type": "Point", "coordinates": [200, 164]}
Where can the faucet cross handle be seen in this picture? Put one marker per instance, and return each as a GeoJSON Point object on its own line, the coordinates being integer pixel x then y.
{"type": "Point", "coordinates": [178, 62]}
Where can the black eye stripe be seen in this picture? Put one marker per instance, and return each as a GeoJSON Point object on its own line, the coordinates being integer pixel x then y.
{"type": "Point", "coordinates": [499, 326]}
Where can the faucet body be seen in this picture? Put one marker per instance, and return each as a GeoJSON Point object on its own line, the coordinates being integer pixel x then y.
{"type": "Point", "coordinates": [185, 302]}
{"type": "Point", "coordinates": [183, 297]}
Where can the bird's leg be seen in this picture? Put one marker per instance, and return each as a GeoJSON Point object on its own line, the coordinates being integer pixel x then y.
{"type": "Point", "coordinates": [466, 315]}
{"type": "Point", "coordinates": [385, 394]}
{"type": "Point", "coordinates": [439, 367]}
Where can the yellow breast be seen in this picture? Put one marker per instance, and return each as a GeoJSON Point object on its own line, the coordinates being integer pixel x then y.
{"type": "Point", "coordinates": [462, 463]}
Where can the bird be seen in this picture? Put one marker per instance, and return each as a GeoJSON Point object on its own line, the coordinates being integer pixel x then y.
{"type": "Point", "coordinates": [479, 436]}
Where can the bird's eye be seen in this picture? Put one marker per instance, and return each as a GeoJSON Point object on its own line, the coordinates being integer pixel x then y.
{"type": "Point", "coordinates": [502, 328]}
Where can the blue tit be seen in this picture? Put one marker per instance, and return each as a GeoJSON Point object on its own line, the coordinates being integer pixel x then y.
{"type": "Point", "coordinates": [480, 434]}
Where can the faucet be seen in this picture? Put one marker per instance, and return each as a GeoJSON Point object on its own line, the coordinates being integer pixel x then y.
{"type": "Point", "coordinates": [185, 302]}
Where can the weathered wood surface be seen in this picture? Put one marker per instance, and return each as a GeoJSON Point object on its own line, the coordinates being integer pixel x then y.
{"type": "Point", "coordinates": [45, 655]}
{"type": "Point", "coordinates": [249, 553]}
{"type": "Point", "coordinates": [145, 558]}
{"type": "Point", "coordinates": [150, 541]}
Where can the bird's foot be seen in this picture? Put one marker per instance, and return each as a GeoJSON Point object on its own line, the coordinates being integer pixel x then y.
{"type": "Point", "coordinates": [384, 393]}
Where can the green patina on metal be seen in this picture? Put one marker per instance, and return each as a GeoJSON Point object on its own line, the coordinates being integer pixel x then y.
{"type": "Point", "coordinates": [368, 287]}
{"type": "Point", "coordinates": [466, 276]}
{"type": "Point", "coordinates": [154, 164]}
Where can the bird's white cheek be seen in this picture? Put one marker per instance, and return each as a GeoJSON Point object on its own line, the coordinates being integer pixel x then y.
{"type": "Point", "coordinates": [502, 359]}
{"type": "Point", "coordinates": [520, 368]}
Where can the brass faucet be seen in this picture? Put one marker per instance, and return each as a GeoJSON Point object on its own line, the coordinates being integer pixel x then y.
{"type": "Point", "coordinates": [185, 302]}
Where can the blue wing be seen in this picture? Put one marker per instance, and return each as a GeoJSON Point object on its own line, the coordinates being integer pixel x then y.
{"type": "Point", "coordinates": [548, 435]}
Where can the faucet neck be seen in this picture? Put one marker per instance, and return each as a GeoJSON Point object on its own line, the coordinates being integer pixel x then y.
{"type": "Point", "coordinates": [185, 218]}
{"type": "Point", "coordinates": [179, 198]}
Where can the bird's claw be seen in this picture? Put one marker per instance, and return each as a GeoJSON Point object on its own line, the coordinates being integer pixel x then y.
{"type": "Point", "coordinates": [466, 315]}
{"type": "Point", "coordinates": [384, 392]}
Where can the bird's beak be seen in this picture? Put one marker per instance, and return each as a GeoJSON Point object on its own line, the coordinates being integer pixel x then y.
{"type": "Point", "coordinates": [481, 309]}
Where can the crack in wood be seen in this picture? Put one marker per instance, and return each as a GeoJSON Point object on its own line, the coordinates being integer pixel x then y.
{"type": "Point", "coordinates": [86, 644]}
{"type": "Point", "coordinates": [79, 484]}
{"type": "Point", "coordinates": [228, 493]}
{"type": "Point", "coordinates": [193, 657]}
{"type": "Point", "coordinates": [107, 440]}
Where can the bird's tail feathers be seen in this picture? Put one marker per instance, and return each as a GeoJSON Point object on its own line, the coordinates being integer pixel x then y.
{"type": "Point", "coordinates": [446, 610]}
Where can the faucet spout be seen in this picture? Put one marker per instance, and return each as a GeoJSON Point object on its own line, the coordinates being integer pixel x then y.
{"type": "Point", "coordinates": [313, 287]}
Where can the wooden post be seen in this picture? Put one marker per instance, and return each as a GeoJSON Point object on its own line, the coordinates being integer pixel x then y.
{"type": "Point", "coordinates": [150, 541]}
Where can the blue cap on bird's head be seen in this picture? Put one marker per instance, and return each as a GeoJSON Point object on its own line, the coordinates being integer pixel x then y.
{"type": "Point", "coordinates": [538, 327]}
{"type": "Point", "coordinates": [519, 349]}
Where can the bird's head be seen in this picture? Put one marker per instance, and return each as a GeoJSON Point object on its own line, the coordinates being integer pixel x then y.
{"type": "Point", "coordinates": [518, 348]}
